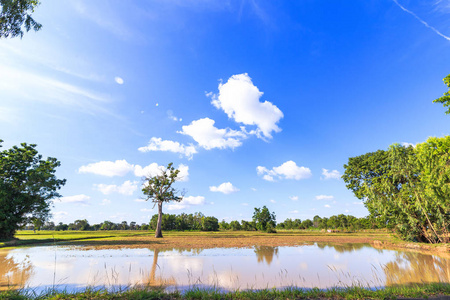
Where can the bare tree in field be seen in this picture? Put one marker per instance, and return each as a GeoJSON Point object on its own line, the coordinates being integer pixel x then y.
{"type": "Point", "coordinates": [159, 189]}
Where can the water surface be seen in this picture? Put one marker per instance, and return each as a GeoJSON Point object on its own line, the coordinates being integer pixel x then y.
{"type": "Point", "coordinates": [314, 265]}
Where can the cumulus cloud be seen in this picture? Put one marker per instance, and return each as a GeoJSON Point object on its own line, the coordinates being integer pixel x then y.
{"type": "Point", "coordinates": [154, 169]}
{"type": "Point", "coordinates": [226, 188]}
{"type": "Point", "coordinates": [293, 212]}
{"type": "Point", "coordinates": [108, 168]}
{"type": "Point", "coordinates": [324, 197]}
{"type": "Point", "coordinates": [327, 206]}
{"type": "Point", "coordinates": [118, 80]}
{"type": "Point", "coordinates": [239, 99]}
{"type": "Point", "coordinates": [334, 174]}
{"type": "Point", "coordinates": [157, 144]}
{"type": "Point", "coordinates": [288, 170]}
{"type": "Point", "coordinates": [187, 202]}
{"type": "Point", "coordinates": [79, 199]}
{"type": "Point", "coordinates": [209, 137]}
{"type": "Point", "coordinates": [122, 167]}
{"type": "Point", "coordinates": [272, 201]}
{"type": "Point", "coordinates": [127, 188]}
{"type": "Point", "coordinates": [293, 198]}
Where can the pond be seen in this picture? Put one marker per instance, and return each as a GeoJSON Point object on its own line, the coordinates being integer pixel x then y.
{"type": "Point", "coordinates": [310, 265]}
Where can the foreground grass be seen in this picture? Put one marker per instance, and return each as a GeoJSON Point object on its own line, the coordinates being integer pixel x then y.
{"type": "Point", "coordinates": [413, 291]}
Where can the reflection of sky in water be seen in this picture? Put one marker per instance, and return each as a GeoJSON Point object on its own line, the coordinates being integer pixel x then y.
{"type": "Point", "coordinates": [318, 265]}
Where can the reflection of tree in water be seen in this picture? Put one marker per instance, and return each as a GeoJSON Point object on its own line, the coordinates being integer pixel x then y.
{"type": "Point", "coordinates": [265, 253]}
{"type": "Point", "coordinates": [341, 248]}
{"type": "Point", "coordinates": [13, 274]}
{"type": "Point", "coordinates": [413, 267]}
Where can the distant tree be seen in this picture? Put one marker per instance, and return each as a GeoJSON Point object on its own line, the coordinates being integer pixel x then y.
{"type": "Point", "coordinates": [27, 187]}
{"type": "Point", "coordinates": [223, 225]}
{"type": "Point", "coordinates": [159, 190]}
{"type": "Point", "coordinates": [445, 100]}
{"type": "Point", "coordinates": [61, 227]}
{"type": "Point", "coordinates": [132, 225]}
{"type": "Point", "coordinates": [248, 226]}
{"type": "Point", "coordinates": [264, 219]}
{"type": "Point", "coordinates": [306, 224]}
{"type": "Point", "coordinates": [210, 224]}
{"type": "Point", "coordinates": [16, 14]}
{"type": "Point", "coordinates": [234, 225]}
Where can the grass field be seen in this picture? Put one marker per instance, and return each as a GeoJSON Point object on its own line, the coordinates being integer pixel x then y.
{"type": "Point", "coordinates": [198, 239]}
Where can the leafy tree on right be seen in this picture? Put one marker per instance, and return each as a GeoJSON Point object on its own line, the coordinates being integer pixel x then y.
{"type": "Point", "coordinates": [406, 189]}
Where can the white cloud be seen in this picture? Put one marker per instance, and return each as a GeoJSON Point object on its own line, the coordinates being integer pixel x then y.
{"type": "Point", "coordinates": [105, 202]}
{"type": "Point", "coordinates": [146, 209]}
{"type": "Point", "coordinates": [27, 85]}
{"type": "Point", "coordinates": [294, 198]}
{"type": "Point", "coordinates": [108, 168]}
{"type": "Point", "coordinates": [405, 144]}
{"type": "Point", "coordinates": [334, 174]}
{"type": "Point", "coordinates": [171, 116]}
{"type": "Point", "coordinates": [209, 137]}
{"type": "Point", "coordinates": [327, 206]}
{"type": "Point", "coordinates": [244, 204]}
{"type": "Point", "coordinates": [272, 201]}
{"type": "Point", "coordinates": [239, 99]}
{"type": "Point", "coordinates": [187, 202]}
{"type": "Point", "coordinates": [288, 170]}
{"type": "Point", "coordinates": [127, 188]}
{"type": "Point", "coordinates": [154, 169]}
{"type": "Point", "coordinates": [157, 144]}
{"type": "Point", "coordinates": [140, 200]}
{"type": "Point", "coordinates": [118, 80]}
{"type": "Point", "coordinates": [293, 212]}
{"type": "Point", "coordinates": [253, 189]}
{"type": "Point", "coordinates": [226, 188]}
{"type": "Point", "coordinates": [324, 197]}
{"type": "Point", "coordinates": [80, 199]}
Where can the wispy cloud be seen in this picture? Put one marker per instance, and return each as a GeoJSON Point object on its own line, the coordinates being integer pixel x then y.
{"type": "Point", "coordinates": [23, 84]}
{"type": "Point", "coordinates": [421, 21]}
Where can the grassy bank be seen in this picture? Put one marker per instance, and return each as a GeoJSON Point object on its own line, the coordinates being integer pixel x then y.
{"type": "Point", "coordinates": [414, 291]}
{"type": "Point", "coordinates": [176, 239]}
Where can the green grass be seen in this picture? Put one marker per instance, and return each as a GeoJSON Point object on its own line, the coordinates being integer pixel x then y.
{"type": "Point", "coordinates": [412, 291]}
{"type": "Point", "coordinates": [29, 238]}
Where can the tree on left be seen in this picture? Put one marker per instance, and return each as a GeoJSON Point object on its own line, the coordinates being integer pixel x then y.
{"type": "Point", "coordinates": [27, 186]}
{"type": "Point", "coordinates": [15, 16]}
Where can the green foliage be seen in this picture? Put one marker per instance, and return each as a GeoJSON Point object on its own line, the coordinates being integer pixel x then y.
{"type": "Point", "coordinates": [234, 225]}
{"type": "Point", "coordinates": [16, 14]}
{"type": "Point", "coordinates": [264, 219]}
{"type": "Point", "coordinates": [27, 186]}
{"type": "Point", "coordinates": [406, 188]}
{"type": "Point", "coordinates": [445, 100]}
{"type": "Point", "coordinates": [210, 224]}
{"type": "Point", "coordinates": [181, 222]}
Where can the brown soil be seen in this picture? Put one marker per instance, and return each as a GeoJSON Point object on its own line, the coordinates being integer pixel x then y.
{"type": "Point", "coordinates": [220, 241]}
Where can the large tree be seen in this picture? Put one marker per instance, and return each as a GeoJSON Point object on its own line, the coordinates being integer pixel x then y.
{"type": "Point", "coordinates": [264, 219]}
{"type": "Point", "coordinates": [406, 188]}
{"type": "Point", "coordinates": [27, 186]}
{"type": "Point", "coordinates": [15, 16]}
{"type": "Point", "coordinates": [159, 189]}
{"type": "Point", "coordinates": [445, 100]}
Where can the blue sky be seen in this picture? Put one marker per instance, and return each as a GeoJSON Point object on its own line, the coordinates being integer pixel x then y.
{"type": "Point", "coordinates": [257, 102]}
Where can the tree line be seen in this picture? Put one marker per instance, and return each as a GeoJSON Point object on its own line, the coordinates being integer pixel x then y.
{"type": "Point", "coordinates": [199, 222]}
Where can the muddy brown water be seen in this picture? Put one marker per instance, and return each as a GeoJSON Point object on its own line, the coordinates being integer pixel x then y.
{"type": "Point", "coordinates": [321, 265]}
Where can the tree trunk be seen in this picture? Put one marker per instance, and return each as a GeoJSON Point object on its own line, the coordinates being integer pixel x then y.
{"type": "Point", "coordinates": [158, 233]}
